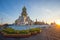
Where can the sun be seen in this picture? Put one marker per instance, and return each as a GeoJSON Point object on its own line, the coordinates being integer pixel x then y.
{"type": "Point", "coordinates": [58, 21]}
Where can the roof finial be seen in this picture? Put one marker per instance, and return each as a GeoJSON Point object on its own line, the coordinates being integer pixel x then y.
{"type": "Point", "coordinates": [24, 8]}
{"type": "Point", "coordinates": [24, 12]}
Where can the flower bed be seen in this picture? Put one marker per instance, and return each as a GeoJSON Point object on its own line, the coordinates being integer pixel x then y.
{"type": "Point", "coordinates": [9, 32]}
{"type": "Point", "coordinates": [17, 35]}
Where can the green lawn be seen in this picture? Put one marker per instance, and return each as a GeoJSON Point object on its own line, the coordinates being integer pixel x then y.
{"type": "Point", "coordinates": [12, 31]}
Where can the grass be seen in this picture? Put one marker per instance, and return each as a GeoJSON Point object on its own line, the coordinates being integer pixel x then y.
{"type": "Point", "coordinates": [35, 30]}
{"type": "Point", "coordinates": [12, 31]}
{"type": "Point", "coordinates": [8, 30]}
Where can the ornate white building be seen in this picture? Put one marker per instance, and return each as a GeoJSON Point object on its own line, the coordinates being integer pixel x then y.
{"type": "Point", "coordinates": [24, 18]}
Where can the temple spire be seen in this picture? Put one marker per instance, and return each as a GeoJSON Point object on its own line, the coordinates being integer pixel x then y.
{"type": "Point", "coordinates": [23, 19]}
{"type": "Point", "coordinates": [24, 8]}
{"type": "Point", "coordinates": [24, 13]}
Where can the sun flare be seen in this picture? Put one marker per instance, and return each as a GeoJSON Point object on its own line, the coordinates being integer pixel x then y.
{"type": "Point", "coordinates": [58, 22]}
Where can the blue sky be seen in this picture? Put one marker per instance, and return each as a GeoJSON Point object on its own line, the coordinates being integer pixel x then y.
{"type": "Point", "coordinates": [43, 10]}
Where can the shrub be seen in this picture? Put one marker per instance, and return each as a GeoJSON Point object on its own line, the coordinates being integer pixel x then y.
{"type": "Point", "coordinates": [24, 32]}
{"type": "Point", "coordinates": [12, 31]}
{"type": "Point", "coordinates": [9, 30]}
{"type": "Point", "coordinates": [35, 29]}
